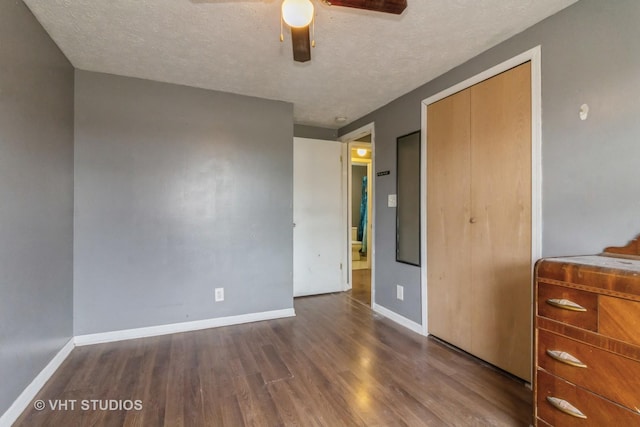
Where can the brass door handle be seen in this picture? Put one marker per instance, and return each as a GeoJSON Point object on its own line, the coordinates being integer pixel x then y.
{"type": "Point", "coordinates": [566, 407]}
{"type": "Point", "coordinates": [566, 358]}
{"type": "Point", "coordinates": [565, 304]}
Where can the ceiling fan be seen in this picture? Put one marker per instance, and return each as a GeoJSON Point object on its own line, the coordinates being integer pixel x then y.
{"type": "Point", "coordinates": [298, 15]}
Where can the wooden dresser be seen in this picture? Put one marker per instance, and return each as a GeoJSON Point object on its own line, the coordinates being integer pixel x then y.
{"type": "Point", "coordinates": [587, 339]}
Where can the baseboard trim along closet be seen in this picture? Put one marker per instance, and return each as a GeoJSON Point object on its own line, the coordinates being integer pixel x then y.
{"type": "Point", "coordinates": [25, 398]}
{"type": "Point", "coordinates": [401, 320]}
{"type": "Point", "coordinates": [173, 328]}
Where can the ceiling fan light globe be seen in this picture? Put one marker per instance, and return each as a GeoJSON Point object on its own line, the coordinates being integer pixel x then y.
{"type": "Point", "coordinates": [297, 13]}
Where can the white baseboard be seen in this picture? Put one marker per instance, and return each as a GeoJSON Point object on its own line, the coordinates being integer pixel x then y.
{"type": "Point", "coordinates": [174, 328]}
{"type": "Point", "coordinates": [25, 398]}
{"type": "Point", "coordinates": [401, 320]}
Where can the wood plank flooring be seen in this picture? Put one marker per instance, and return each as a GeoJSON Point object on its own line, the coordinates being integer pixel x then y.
{"type": "Point", "coordinates": [361, 286]}
{"type": "Point", "coordinates": [335, 364]}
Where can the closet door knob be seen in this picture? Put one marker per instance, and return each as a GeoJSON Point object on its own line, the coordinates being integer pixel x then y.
{"type": "Point", "coordinates": [472, 220]}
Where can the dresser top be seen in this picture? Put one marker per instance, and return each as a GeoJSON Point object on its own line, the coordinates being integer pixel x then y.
{"type": "Point", "coordinates": [615, 272]}
{"type": "Point", "coordinates": [601, 261]}
{"type": "Point", "coordinates": [599, 273]}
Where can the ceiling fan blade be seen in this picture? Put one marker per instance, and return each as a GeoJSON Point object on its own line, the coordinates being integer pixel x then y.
{"type": "Point", "coordinates": [301, 44]}
{"type": "Point", "coordinates": [388, 6]}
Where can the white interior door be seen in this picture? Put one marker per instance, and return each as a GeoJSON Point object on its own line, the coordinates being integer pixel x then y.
{"type": "Point", "coordinates": [318, 237]}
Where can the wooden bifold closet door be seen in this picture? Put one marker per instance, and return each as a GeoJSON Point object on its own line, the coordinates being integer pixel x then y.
{"type": "Point", "coordinates": [479, 220]}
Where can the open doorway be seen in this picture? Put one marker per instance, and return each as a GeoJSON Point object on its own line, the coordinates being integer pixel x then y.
{"type": "Point", "coordinates": [360, 221]}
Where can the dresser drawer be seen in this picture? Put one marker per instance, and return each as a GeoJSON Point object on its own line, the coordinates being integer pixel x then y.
{"type": "Point", "coordinates": [598, 411]}
{"type": "Point", "coordinates": [541, 423]}
{"type": "Point", "coordinates": [551, 296]}
{"type": "Point", "coordinates": [607, 374]}
{"type": "Point", "coordinates": [619, 319]}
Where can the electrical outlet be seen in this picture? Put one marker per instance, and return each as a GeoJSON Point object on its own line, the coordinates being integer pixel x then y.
{"type": "Point", "coordinates": [400, 292]}
{"type": "Point", "coordinates": [219, 294]}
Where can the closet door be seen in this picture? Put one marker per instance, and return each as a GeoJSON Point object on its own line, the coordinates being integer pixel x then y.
{"type": "Point", "coordinates": [448, 228]}
{"type": "Point", "coordinates": [501, 212]}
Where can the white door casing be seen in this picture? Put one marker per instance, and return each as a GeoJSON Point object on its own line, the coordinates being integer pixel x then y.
{"type": "Point", "coordinates": [348, 139]}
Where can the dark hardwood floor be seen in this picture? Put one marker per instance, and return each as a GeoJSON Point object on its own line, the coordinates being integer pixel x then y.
{"type": "Point", "coordinates": [335, 364]}
{"type": "Point", "coordinates": [361, 286]}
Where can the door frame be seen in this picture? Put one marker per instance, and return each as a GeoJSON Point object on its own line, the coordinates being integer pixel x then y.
{"type": "Point", "coordinates": [368, 129]}
{"type": "Point", "coordinates": [534, 56]}
{"type": "Point", "coordinates": [368, 165]}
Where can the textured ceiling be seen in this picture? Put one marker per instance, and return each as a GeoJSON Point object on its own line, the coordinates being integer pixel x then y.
{"type": "Point", "coordinates": [362, 60]}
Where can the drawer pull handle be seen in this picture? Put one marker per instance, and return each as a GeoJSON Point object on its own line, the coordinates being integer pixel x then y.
{"type": "Point", "coordinates": [566, 407]}
{"type": "Point", "coordinates": [565, 304]}
{"type": "Point", "coordinates": [566, 358]}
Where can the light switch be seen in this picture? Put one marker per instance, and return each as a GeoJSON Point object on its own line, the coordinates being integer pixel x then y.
{"type": "Point", "coordinates": [392, 200]}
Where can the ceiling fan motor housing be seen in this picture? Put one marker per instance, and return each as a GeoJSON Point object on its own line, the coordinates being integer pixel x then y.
{"type": "Point", "coordinates": [300, 39]}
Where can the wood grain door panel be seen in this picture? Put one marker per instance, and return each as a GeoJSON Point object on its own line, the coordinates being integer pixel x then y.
{"type": "Point", "coordinates": [501, 211]}
{"type": "Point", "coordinates": [448, 229]}
{"type": "Point", "coordinates": [479, 220]}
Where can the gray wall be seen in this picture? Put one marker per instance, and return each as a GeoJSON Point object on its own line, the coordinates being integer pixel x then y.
{"type": "Point", "coordinates": [36, 200]}
{"type": "Point", "coordinates": [591, 193]}
{"type": "Point", "coordinates": [313, 132]}
{"type": "Point", "coordinates": [178, 191]}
